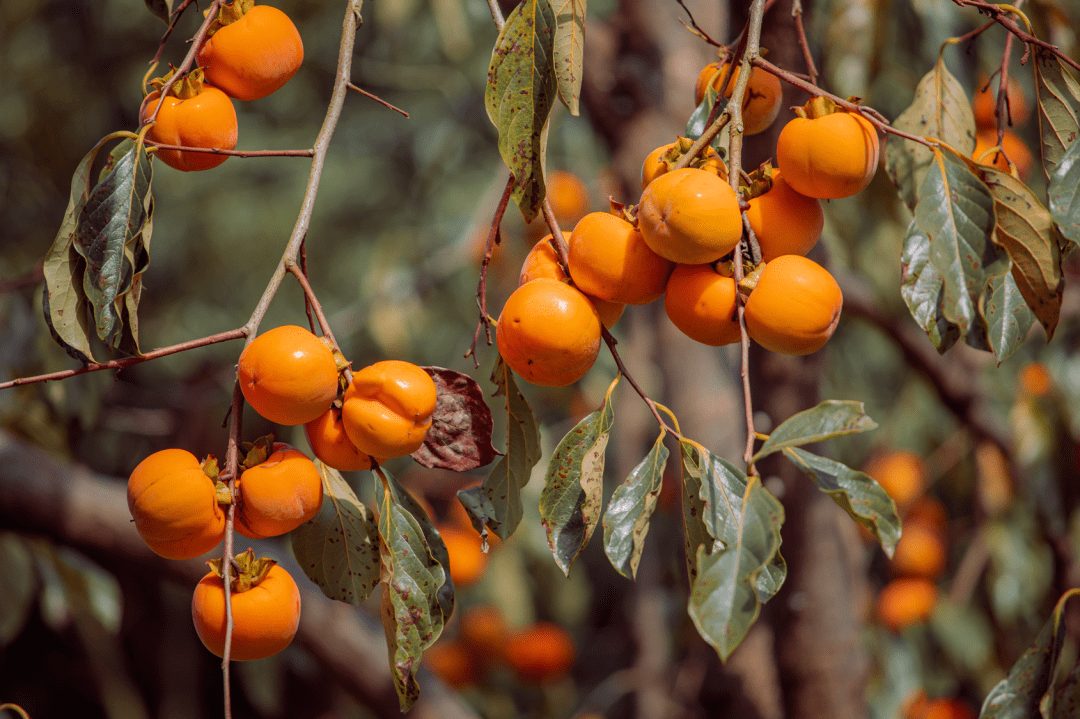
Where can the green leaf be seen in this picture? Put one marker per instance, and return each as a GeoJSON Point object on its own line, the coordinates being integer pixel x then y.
{"type": "Point", "coordinates": [771, 578]}
{"type": "Point", "coordinates": [161, 9]}
{"type": "Point", "coordinates": [496, 504]}
{"type": "Point", "coordinates": [956, 211]}
{"type": "Point", "coordinates": [418, 595]}
{"type": "Point", "coordinates": [831, 418]}
{"type": "Point", "coordinates": [572, 496]}
{"type": "Point", "coordinates": [338, 548]}
{"type": "Point", "coordinates": [699, 120]}
{"type": "Point", "coordinates": [1008, 317]}
{"type": "Point", "coordinates": [626, 521]}
{"type": "Point", "coordinates": [1026, 691]}
{"type": "Point", "coordinates": [1064, 193]}
{"type": "Point", "coordinates": [18, 586]}
{"type": "Point", "coordinates": [743, 520]}
{"type": "Point", "coordinates": [520, 91]}
{"type": "Point", "coordinates": [108, 234]}
{"type": "Point", "coordinates": [1026, 230]}
{"type": "Point", "coordinates": [941, 109]}
{"type": "Point", "coordinates": [569, 49]}
{"type": "Point", "coordinates": [1058, 100]}
{"type": "Point", "coordinates": [856, 493]}
{"type": "Point", "coordinates": [923, 290]}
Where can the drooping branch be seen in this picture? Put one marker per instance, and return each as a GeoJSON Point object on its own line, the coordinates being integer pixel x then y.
{"type": "Point", "coordinates": [232, 153]}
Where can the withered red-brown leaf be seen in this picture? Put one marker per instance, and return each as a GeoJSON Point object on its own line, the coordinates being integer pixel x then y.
{"type": "Point", "coordinates": [460, 434]}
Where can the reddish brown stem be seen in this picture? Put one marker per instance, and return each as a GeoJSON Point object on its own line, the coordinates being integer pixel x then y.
{"type": "Point", "coordinates": [611, 342]}
{"type": "Point", "coordinates": [189, 60]}
{"type": "Point", "coordinates": [233, 153]}
{"type": "Point", "coordinates": [307, 300]}
{"type": "Point", "coordinates": [168, 31]}
{"type": "Point", "coordinates": [377, 99]}
{"type": "Point", "coordinates": [312, 300]}
{"type": "Point", "coordinates": [481, 289]}
{"type": "Point", "coordinates": [1002, 110]}
{"type": "Point", "coordinates": [128, 361]}
{"type": "Point", "coordinates": [1001, 17]}
{"type": "Point", "coordinates": [557, 239]}
{"type": "Point", "coordinates": [808, 58]}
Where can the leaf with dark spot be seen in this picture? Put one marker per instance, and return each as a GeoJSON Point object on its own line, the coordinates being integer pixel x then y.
{"type": "Point", "coordinates": [626, 521]}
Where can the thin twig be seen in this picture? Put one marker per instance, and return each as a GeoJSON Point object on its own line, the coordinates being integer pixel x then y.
{"type": "Point", "coordinates": [311, 300]}
{"type": "Point", "coordinates": [611, 342]}
{"type": "Point", "coordinates": [481, 289]}
{"type": "Point", "coordinates": [128, 361]}
{"type": "Point", "coordinates": [189, 60]}
{"type": "Point", "coordinates": [307, 300]}
{"type": "Point", "coordinates": [232, 467]}
{"type": "Point", "coordinates": [698, 30]}
{"type": "Point", "coordinates": [377, 99]}
{"type": "Point", "coordinates": [808, 58]}
{"type": "Point", "coordinates": [557, 239]}
{"type": "Point", "coordinates": [168, 31]}
{"type": "Point", "coordinates": [1002, 109]}
{"type": "Point", "coordinates": [1001, 17]}
{"type": "Point", "coordinates": [232, 153]}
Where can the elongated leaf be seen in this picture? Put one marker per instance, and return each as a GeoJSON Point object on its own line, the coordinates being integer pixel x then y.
{"type": "Point", "coordinates": [626, 521]}
{"type": "Point", "coordinates": [695, 533]}
{"type": "Point", "coordinates": [699, 120]}
{"type": "Point", "coordinates": [1008, 317]}
{"type": "Point", "coordinates": [113, 218]}
{"type": "Point", "coordinates": [940, 109]}
{"type": "Point", "coordinates": [520, 91]}
{"type": "Point", "coordinates": [569, 49]}
{"type": "Point", "coordinates": [571, 499]}
{"type": "Point", "coordinates": [496, 504]}
{"type": "Point", "coordinates": [956, 211]}
{"type": "Point", "coordinates": [856, 493]}
{"type": "Point", "coordinates": [744, 521]}
{"type": "Point", "coordinates": [1058, 98]}
{"type": "Point", "coordinates": [1064, 193]}
{"type": "Point", "coordinates": [923, 290]}
{"type": "Point", "coordinates": [418, 596]}
{"type": "Point", "coordinates": [831, 418]}
{"type": "Point", "coordinates": [161, 9]}
{"type": "Point", "coordinates": [1021, 694]}
{"type": "Point", "coordinates": [461, 426]}
{"type": "Point", "coordinates": [1026, 230]}
{"type": "Point", "coordinates": [338, 548]}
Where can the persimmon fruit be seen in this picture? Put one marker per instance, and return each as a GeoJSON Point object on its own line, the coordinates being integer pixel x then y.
{"type": "Point", "coordinates": [331, 444]}
{"type": "Point", "coordinates": [277, 495]}
{"type": "Point", "coordinates": [906, 601]}
{"type": "Point", "coordinates": [663, 160]}
{"type": "Point", "coordinates": [387, 408]}
{"type": "Point", "coordinates": [288, 375]}
{"type": "Point", "coordinates": [984, 104]}
{"type": "Point", "coordinates": [542, 261]}
{"type": "Point", "coordinates": [920, 551]}
{"type": "Point", "coordinates": [900, 473]}
{"type": "Point", "coordinates": [467, 560]}
{"type": "Point", "coordinates": [701, 303]}
{"type": "Point", "coordinates": [568, 195]}
{"type": "Point", "coordinates": [763, 95]}
{"type": "Point", "coordinates": [610, 260]}
{"type": "Point", "coordinates": [175, 505]}
{"type": "Point", "coordinates": [795, 306]}
{"type": "Point", "coordinates": [265, 617]}
{"type": "Point", "coordinates": [549, 333]}
{"type": "Point", "coordinates": [453, 662]}
{"type": "Point", "coordinates": [784, 221]}
{"type": "Point", "coordinates": [1011, 144]}
{"type": "Point", "coordinates": [689, 216]}
{"type": "Point", "coordinates": [1035, 380]}
{"type": "Point", "coordinates": [253, 55]}
{"type": "Point", "coordinates": [541, 653]}
{"type": "Point", "coordinates": [483, 629]}
{"type": "Point", "coordinates": [828, 154]}
{"type": "Point", "coordinates": [204, 117]}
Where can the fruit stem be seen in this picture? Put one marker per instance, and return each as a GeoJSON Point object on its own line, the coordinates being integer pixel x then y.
{"type": "Point", "coordinates": [481, 289]}
{"type": "Point", "coordinates": [189, 60]}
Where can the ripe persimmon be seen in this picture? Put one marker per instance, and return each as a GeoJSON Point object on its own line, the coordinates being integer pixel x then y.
{"type": "Point", "coordinates": [900, 473]}
{"type": "Point", "coordinates": [664, 158]}
{"type": "Point", "coordinates": [288, 375]}
{"type": "Point", "coordinates": [541, 653]}
{"type": "Point", "coordinates": [784, 221]}
{"type": "Point", "coordinates": [387, 408]}
{"type": "Point", "coordinates": [610, 260]}
{"type": "Point", "coordinates": [984, 104]}
{"type": "Point", "coordinates": [906, 601]}
{"type": "Point", "coordinates": [331, 444]}
{"type": "Point", "coordinates": [467, 559]}
{"type": "Point", "coordinates": [277, 495]}
{"type": "Point", "coordinates": [549, 333]}
{"type": "Point", "coordinates": [483, 629]}
{"type": "Point", "coordinates": [568, 195]}
{"type": "Point", "coordinates": [763, 96]}
{"type": "Point", "coordinates": [689, 216]}
{"type": "Point", "coordinates": [1011, 144]}
{"type": "Point", "coordinates": [1035, 380]}
{"type": "Point", "coordinates": [795, 306]}
{"type": "Point", "coordinates": [542, 261]}
{"type": "Point", "coordinates": [828, 152]}
{"type": "Point", "coordinates": [265, 616]}
{"type": "Point", "coordinates": [253, 52]}
{"type": "Point", "coordinates": [453, 662]}
{"type": "Point", "coordinates": [920, 551]}
{"type": "Point", "coordinates": [701, 302]}
{"type": "Point", "coordinates": [175, 505]}
{"type": "Point", "coordinates": [192, 115]}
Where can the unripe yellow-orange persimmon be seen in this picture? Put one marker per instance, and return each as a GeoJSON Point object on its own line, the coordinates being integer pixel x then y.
{"type": "Point", "coordinates": [689, 216]}
{"type": "Point", "coordinates": [701, 303]}
{"type": "Point", "coordinates": [610, 260]}
{"type": "Point", "coordinates": [829, 154]}
{"type": "Point", "coordinates": [549, 333]}
{"type": "Point", "coordinates": [795, 307]}
{"type": "Point", "coordinates": [542, 261]}
{"type": "Point", "coordinates": [253, 56]}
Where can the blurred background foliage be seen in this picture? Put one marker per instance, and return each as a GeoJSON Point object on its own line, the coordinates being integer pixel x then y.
{"type": "Point", "coordinates": [393, 251]}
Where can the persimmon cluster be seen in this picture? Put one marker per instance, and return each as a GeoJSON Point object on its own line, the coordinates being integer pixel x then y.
{"type": "Point", "coordinates": [250, 51]}
{"type": "Point", "coordinates": [679, 242]}
{"type": "Point", "coordinates": [290, 377]}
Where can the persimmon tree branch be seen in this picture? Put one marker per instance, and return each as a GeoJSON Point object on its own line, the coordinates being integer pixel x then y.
{"type": "Point", "coordinates": [611, 342]}
{"type": "Point", "coordinates": [1000, 15]}
{"type": "Point", "coordinates": [481, 289]}
{"type": "Point", "coordinates": [168, 31]}
{"type": "Point", "coordinates": [232, 153]}
{"type": "Point", "coordinates": [377, 99]}
{"type": "Point", "coordinates": [189, 59]}
{"type": "Point", "coordinates": [808, 57]}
